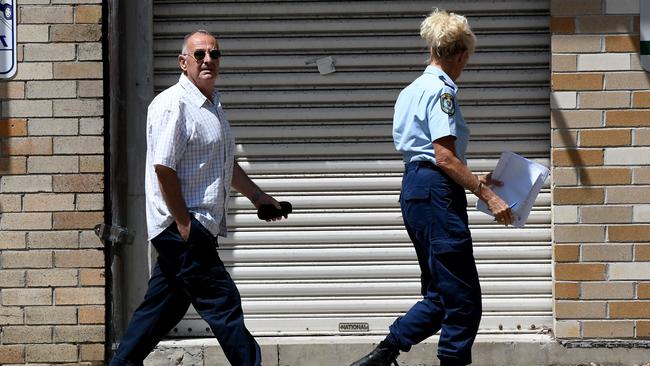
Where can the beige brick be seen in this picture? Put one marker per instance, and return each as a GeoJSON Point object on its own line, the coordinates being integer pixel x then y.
{"type": "Point", "coordinates": [575, 44]}
{"type": "Point", "coordinates": [579, 272]}
{"type": "Point", "coordinates": [565, 177]}
{"type": "Point", "coordinates": [78, 183]}
{"type": "Point", "coordinates": [79, 258]}
{"type": "Point", "coordinates": [26, 334]}
{"type": "Point", "coordinates": [92, 277]}
{"type": "Point", "coordinates": [91, 88]}
{"type": "Point", "coordinates": [49, 202]}
{"type": "Point", "coordinates": [77, 70]}
{"type": "Point", "coordinates": [13, 165]}
{"type": "Point", "coordinates": [90, 202]}
{"type": "Point", "coordinates": [629, 309]}
{"type": "Point", "coordinates": [571, 195]}
{"type": "Point", "coordinates": [91, 352]}
{"type": "Point", "coordinates": [91, 315]}
{"type": "Point", "coordinates": [48, 89]}
{"type": "Point", "coordinates": [27, 33]}
{"type": "Point", "coordinates": [566, 290]}
{"type": "Point", "coordinates": [629, 233]}
{"type": "Point", "coordinates": [606, 290]}
{"type": "Point", "coordinates": [26, 259]}
{"type": "Point", "coordinates": [606, 214]}
{"type": "Point", "coordinates": [22, 297]}
{"type": "Point", "coordinates": [641, 175]}
{"type": "Point", "coordinates": [89, 52]}
{"type": "Point", "coordinates": [27, 146]}
{"type": "Point", "coordinates": [643, 329]}
{"type": "Point", "coordinates": [605, 137]}
{"type": "Point", "coordinates": [53, 164]}
{"type": "Point", "coordinates": [576, 119]}
{"type": "Point", "coordinates": [34, 71]}
{"type": "Point", "coordinates": [641, 99]}
{"type": "Point", "coordinates": [602, 100]}
{"type": "Point", "coordinates": [27, 108]}
{"type": "Point", "coordinates": [51, 353]}
{"type": "Point", "coordinates": [564, 63]}
{"type": "Point", "coordinates": [580, 309]}
{"type": "Point", "coordinates": [629, 271]}
{"type": "Point", "coordinates": [53, 126]}
{"type": "Point", "coordinates": [26, 221]}
{"type": "Point", "coordinates": [10, 202]}
{"type": "Point", "coordinates": [622, 6]}
{"type": "Point", "coordinates": [641, 137]}
{"type": "Point", "coordinates": [45, 14]}
{"type": "Point", "coordinates": [79, 145]}
{"type": "Point", "coordinates": [604, 62]}
{"type": "Point", "coordinates": [31, 183]}
{"type": "Point", "coordinates": [79, 333]}
{"type": "Point", "coordinates": [12, 354]}
{"type": "Point", "coordinates": [606, 253]}
{"type": "Point", "coordinates": [575, 7]}
{"type": "Point", "coordinates": [78, 108]}
{"type": "Point", "coordinates": [576, 158]}
{"type": "Point", "coordinates": [626, 43]}
{"type": "Point", "coordinates": [607, 329]}
{"type": "Point", "coordinates": [627, 156]}
{"type": "Point", "coordinates": [12, 278]}
{"type": "Point", "coordinates": [13, 127]}
{"type": "Point", "coordinates": [566, 253]}
{"type": "Point", "coordinates": [88, 14]}
{"type": "Point", "coordinates": [577, 81]}
{"type": "Point", "coordinates": [643, 290]}
{"type": "Point", "coordinates": [53, 239]}
{"type": "Point", "coordinates": [579, 234]}
{"type": "Point", "coordinates": [641, 213]}
{"type": "Point", "coordinates": [79, 296]}
{"type": "Point", "coordinates": [605, 24]}
{"type": "Point", "coordinates": [88, 239]}
{"type": "Point", "coordinates": [563, 25]}
{"type": "Point", "coordinates": [91, 164]}
{"type": "Point", "coordinates": [563, 100]}
{"type": "Point", "coordinates": [91, 126]}
{"type": "Point", "coordinates": [626, 81]}
{"type": "Point", "coordinates": [634, 117]}
{"type": "Point", "coordinates": [75, 33]}
{"type": "Point", "coordinates": [8, 316]}
{"type": "Point", "coordinates": [50, 52]}
{"type": "Point", "coordinates": [51, 315]}
{"type": "Point", "coordinates": [77, 220]}
{"type": "Point", "coordinates": [628, 195]}
{"type": "Point", "coordinates": [605, 176]}
{"type": "Point", "coordinates": [565, 215]}
{"type": "Point", "coordinates": [52, 277]}
{"type": "Point", "coordinates": [12, 240]}
{"type": "Point", "coordinates": [12, 90]}
{"type": "Point", "coordinates": [635, 62]}
{"type": "Point", "coordinates": [567, 329]}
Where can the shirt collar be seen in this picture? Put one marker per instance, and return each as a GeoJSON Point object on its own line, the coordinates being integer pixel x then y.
{"type": "Point", "coordinates": [440, 74]}
{"type": "Point", "coordinates": [194, 94]}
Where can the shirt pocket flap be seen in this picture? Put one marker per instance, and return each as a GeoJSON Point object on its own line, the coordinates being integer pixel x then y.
{"type": "Point", "coordinates": [416, 193]}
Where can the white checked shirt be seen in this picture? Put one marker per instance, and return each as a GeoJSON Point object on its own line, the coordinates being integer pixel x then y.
{"type": "Point", "coordinates": [188, 133]}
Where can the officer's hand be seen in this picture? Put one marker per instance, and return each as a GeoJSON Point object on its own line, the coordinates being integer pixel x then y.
{"type": "Point", "coordinates": [501, 211]}
{"type": "Point", "coordinates": [184, 230]}
{"type": "Point", "coordinates": [489, 181]}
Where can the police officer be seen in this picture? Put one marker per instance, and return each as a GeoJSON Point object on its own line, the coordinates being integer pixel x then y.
{"type": "Point", "coordinates": [429, 130]}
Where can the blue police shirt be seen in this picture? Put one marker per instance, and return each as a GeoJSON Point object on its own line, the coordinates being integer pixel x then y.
{"type": "Point", "coordinates": [425, 111]}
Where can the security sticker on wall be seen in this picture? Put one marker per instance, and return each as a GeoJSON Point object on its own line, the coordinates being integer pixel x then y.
{"type": "Point", "coordinates": [644, 7]}
{"type": "Point", "coordinates": [8, 62]}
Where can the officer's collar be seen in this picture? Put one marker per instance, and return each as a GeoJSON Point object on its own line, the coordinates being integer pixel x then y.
{"type": "Point", "coordinates": [194, 94]}
{"type": "Point", "coordinates": [440, 74]}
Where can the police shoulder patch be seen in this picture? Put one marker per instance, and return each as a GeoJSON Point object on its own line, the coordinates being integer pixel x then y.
{"type": "Point", "coordinates": [447, 104]}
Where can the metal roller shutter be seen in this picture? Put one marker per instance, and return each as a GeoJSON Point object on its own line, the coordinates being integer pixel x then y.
{"type": "Point", "coordinates": [324, 143]}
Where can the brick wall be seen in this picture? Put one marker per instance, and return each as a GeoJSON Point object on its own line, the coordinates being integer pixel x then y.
{"type": "Point", "coordinates": [601, 175]}
{"type": "Point", "coordinates": [51, 187]}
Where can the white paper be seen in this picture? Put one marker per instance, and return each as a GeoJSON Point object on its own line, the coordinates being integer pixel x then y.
{"type": "Point", "coordinates": [522, 180]}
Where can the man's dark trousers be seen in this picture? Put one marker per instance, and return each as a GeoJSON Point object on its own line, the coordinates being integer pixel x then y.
{"type": "Point", "coordinates": [188, 272]}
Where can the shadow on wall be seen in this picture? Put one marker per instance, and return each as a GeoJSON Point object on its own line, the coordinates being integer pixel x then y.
{"type": "Point", "coordinates": [569, 144]}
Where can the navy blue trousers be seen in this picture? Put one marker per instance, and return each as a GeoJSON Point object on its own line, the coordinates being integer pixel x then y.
{"type": "Point", "coordinates": [434, 209]}
{"type": "Point", "coordinates": [188, 272]}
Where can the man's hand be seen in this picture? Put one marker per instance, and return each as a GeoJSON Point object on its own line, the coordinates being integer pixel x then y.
{"type": "Point", "coordinates": [184, 230]}
{"type": "Point", "coordinates": [262, 198]}
{"type": "Point", "coordinates": [501, 211]}
{"type": "Point", "coordinates": [488, 181]}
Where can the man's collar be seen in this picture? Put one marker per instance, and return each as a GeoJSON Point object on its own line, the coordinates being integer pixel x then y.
{"type": "Point", "coordinates": [194, 93]}
{"type": "Point", "coordinates": [441, 74]}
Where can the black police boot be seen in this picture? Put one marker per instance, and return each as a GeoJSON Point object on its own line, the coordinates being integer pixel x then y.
{"type": "Point", "coordinates": [382, 355]}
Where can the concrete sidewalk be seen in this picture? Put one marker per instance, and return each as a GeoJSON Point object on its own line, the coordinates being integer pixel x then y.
{"type": "Point", "coordinates": [489, 350]}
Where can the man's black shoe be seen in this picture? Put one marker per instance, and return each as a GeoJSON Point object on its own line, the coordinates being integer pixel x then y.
{"type": "Point", "coordinates": [380, 356]}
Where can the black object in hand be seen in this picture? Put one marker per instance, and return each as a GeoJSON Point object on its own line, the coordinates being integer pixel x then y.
{"type": "Point", "coordinates": [269, 212]}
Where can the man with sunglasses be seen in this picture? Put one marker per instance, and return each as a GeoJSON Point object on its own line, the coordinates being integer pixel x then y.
{"type": "Point", "coordinates": [190, 169]}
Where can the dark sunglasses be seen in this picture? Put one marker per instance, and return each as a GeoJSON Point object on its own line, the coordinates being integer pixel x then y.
{"type": "Point", "coordinates": [199, 55]}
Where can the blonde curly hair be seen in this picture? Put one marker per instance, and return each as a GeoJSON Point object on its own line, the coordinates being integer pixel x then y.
{"type": "Point", "coordinates": [447, 34]}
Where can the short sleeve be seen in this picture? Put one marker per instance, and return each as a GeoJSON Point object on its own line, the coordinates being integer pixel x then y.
{"type": "Point", "coordinates": [441, 114]}
{"type": "Point", "coordinates": [169, 136]}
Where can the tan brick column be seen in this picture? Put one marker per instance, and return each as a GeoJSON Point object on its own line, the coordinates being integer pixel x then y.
{"type": "Point", "coordinates": [601, 179]}
{"type": "Point", "coordinates": [51, 188]}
